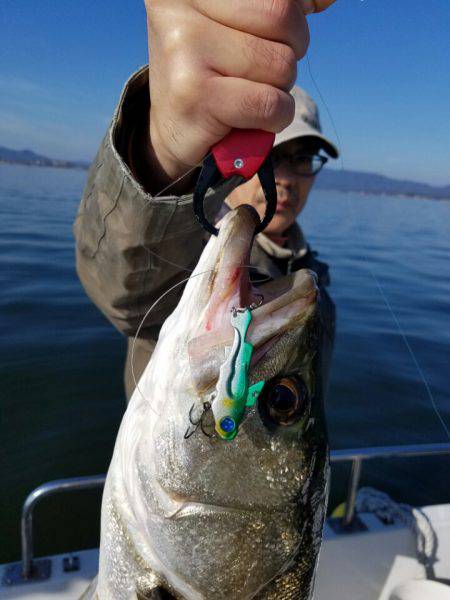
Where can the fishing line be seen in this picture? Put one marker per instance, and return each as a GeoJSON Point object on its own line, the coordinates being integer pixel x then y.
{"type": "Point", "coordinates": [375, 278]}
{"type": "Point", "coordinates": [330, 116]}
{"type": "Point", "coordinates": [166, 260]}
{"type": "Point", "coordinates": [183, 281]}
{"type": "Point", "coordinates": [397, 323]}
{"type": "Point", "coordinates": [399, 328]}
{"type": "Point", "coordinates": [413, 357]}
{"type": "Point", "coordinates": [172, 183]}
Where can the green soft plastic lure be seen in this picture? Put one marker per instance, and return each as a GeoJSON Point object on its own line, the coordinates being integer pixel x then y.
{"type": "Point", "coordinates": [233, 393]}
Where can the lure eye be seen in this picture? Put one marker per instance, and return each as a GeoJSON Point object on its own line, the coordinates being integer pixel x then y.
{"type": "Point", "coordinates": [283, 401]}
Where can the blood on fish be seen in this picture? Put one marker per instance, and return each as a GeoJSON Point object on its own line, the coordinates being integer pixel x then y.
{"type": "Point", "coordinates": [234, 275]}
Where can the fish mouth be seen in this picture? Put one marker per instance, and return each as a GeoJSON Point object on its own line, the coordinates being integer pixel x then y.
{"type": "Point", "coordinates": [230, 282]}
{"type": "Point", "coordinates": [277, 306]}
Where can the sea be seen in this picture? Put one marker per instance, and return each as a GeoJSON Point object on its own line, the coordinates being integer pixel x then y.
{"type": "Point", "coordinates": [61, 361]}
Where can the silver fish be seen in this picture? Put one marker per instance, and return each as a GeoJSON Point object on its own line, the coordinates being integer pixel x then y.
{"type": "Point", "coordinates": [206, 518]}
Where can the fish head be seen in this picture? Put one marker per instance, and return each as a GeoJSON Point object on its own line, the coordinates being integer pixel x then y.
{"type": "Point", "coordinates": [237, 504]}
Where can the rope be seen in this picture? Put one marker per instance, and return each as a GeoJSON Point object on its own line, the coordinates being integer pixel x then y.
{"type": "Point", "coordinates": [376, 502]}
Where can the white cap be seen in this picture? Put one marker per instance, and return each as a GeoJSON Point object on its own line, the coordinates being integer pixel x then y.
{"type": "Point", "coordinates": [306, 123]}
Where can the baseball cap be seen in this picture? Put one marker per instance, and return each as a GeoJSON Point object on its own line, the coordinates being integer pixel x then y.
{"type": "Point", "coordinates": [306, 123]}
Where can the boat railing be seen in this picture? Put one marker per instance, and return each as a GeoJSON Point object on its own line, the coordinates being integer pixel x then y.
{"type": "Point", "coordinates": [358, 455]}
{"type": "Point", "coordinates": [28, 569]}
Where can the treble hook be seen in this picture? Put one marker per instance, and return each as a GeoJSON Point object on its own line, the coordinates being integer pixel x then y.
{"type": "Point", "coordinates": [199, 423]}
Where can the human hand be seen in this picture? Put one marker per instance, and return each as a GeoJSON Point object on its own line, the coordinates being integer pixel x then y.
{"type": "Point", "coordinates": [218, 65]}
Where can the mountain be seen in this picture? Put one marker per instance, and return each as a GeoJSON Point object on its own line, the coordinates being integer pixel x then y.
{"type": "Point", "coordinates": [372, 183]}
{"type": "Point", "coordinates": [28, 157]}
{"type": "Point", "coordinates": [329, 179]}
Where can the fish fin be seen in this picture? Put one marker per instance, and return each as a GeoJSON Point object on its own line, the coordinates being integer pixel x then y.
{"type": "Point", "coordinates": [253, 393]}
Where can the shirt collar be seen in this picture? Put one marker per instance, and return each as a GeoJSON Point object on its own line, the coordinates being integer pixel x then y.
{"type": "Point", "coordinates": [295, 247]}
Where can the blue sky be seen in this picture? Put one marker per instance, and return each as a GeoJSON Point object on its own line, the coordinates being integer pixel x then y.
{"type": "Point", "coordinates": [383, 69]}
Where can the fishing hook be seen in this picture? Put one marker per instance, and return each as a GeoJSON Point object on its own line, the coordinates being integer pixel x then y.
{"type": "Point", "coordinates": [235, 309]}
{"type": "Point", "coordinates": [199, 423]}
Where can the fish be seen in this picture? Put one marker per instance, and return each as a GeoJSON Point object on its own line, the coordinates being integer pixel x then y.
{"type": "Point", "coordinates": [187, 514]}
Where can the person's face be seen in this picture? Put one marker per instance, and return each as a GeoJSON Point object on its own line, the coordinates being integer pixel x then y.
{"type": "Point", "coordinates": [292, 192]}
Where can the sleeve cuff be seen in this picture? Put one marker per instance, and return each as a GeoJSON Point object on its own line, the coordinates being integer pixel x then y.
{"type": "Point", "coordinates": [111, 172]}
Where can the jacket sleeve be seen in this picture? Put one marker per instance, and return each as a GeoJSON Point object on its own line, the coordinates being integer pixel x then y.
{"type": "Point", "coordinates": [131, 246]}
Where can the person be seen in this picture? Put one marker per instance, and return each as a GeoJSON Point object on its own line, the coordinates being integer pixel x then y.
{"type": "Point", "coordinates": [136, 233]}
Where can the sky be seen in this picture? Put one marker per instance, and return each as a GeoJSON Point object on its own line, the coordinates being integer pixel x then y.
{"type": "Point", "coordinates": [380, 74]}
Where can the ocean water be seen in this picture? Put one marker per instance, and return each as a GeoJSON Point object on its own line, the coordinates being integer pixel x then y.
{"type": "Point", "coordinates": [61, 362]}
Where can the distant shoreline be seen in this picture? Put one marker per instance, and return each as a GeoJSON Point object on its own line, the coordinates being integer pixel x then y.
{"type": "Point", "coordinates": [365, 184]}
{"type": "Point", "coordinates": [55, 164]}
{"type": "Point", "coordinates": [403, 195]}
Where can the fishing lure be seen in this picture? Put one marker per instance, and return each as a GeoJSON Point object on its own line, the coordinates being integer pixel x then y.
{"type": "Point", "coordinates": [233, 393]}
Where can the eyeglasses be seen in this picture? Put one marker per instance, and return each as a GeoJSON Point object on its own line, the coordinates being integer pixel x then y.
{"type": "Point", "coordinates": [304, 165]}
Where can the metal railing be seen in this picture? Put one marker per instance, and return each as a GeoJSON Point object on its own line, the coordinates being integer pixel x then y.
{"type": "Point", "coordinates": [358, 455]}
{"type": "Point", "coordinates": [355, 455]}
{"type": "Point", "coordinates": [44, 491]}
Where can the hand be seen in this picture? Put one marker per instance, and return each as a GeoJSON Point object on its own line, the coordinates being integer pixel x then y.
{"type": "Point", "coordinates": [219, 64]}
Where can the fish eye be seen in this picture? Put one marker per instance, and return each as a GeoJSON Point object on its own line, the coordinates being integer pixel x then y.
{"type": "Point", "coordinates": [283, 401]}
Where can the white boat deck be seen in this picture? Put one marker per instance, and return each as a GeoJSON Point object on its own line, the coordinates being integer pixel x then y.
{"type": "Point", "coordinates": [365, 565]}
{"type": "Point", "coordinates": [370, 565]}
{"type": "Point", "coordinates": [61, 585]}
